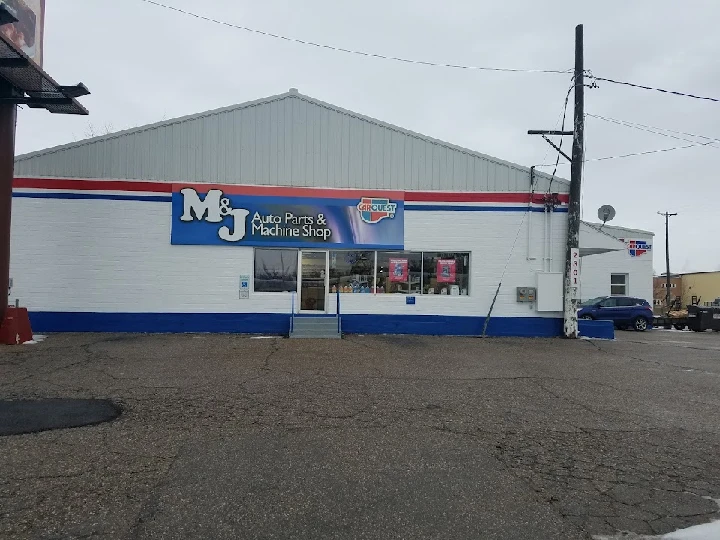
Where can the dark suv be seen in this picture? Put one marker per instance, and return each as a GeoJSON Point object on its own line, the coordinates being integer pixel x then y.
{"type": "Point", "coordinates": [623, 311]}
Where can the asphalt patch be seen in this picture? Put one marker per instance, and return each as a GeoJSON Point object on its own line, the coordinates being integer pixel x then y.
{"type": "Point", "coordinates": [31, 416]}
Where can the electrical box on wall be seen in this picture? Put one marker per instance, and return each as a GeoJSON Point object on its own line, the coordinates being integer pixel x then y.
{"type": "Point", "coordinates": [550, 291]}
{"type": "Point", "coordinates": [526, 294]}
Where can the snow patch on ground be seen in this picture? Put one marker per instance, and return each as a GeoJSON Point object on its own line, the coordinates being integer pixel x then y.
{"type": "Point", "coordinates": [707, 531]}
{"type": "Point", "coordinates": [35, 340]}
{"type": "Point", "coordinates": [262, 337]}
{"type": "Point", "coordinates": [669, 329]}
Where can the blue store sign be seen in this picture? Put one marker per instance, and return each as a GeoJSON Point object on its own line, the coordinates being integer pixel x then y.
{"type": "Point", "coordinates": [286, 217]}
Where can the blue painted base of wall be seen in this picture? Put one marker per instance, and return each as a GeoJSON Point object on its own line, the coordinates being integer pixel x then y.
{"type": "Point", "coordinates": [279, 323]}
{"type": "Point", "coordinates": [429, 325]}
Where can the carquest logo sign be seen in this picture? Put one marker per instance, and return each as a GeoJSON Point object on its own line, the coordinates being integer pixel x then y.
{"type": "Point", "coordinates": [373, 210]}
{"type": "Point", "coordinates": [637, 247]}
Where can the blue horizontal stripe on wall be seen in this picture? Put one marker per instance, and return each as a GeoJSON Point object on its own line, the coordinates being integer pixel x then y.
{"type": "Point", "coordinates": [95, 196]}
{"type": "Point", "coordinates": [302, 245]}
{"type": "Point", "coordinates": [168, 198]}
{"type": "Point", "coordinates": [461, 208]}
{"type": "Point", "coordinates": [279, 324]}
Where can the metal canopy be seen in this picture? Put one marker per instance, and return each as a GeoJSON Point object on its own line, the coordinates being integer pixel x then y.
{"type": "Point", "coordinates": [586, 252]}
{"type": "Point", "coordinates": [34, 87]}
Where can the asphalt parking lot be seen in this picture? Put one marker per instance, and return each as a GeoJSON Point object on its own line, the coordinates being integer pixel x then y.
{"type": "Point", "coordinates": [366, 437]}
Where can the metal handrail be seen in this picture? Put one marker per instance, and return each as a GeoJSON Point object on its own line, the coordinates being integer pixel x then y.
{"type": "Point", "coordinates": [338, 311]}
{"type": "Point", "coordinates": [292, 312]}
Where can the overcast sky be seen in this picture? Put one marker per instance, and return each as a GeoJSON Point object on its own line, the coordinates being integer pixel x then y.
{"type": "Point", "coordinates": [144, 64]}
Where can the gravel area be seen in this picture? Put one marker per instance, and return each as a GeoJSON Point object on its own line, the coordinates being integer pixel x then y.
{"type": "Point", "coordinates": [225, 436]}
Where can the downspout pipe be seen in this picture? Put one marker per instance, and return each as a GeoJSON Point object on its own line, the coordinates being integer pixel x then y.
{"type": "Point", "coordinates": [530, 212]}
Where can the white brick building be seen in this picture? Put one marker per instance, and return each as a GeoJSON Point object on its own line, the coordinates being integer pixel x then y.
{"type": "Point", "coordinates": [105, 235]}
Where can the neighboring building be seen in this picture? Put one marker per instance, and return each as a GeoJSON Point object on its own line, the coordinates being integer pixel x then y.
{"type": "Point", "coordinates": [701, 288]}
{"type": "Point", "coordinates": [231, 220]}
{"type": "Point", "coordinates": [660, 289]}
{"type": "Point", "coordinates": [615, 261]}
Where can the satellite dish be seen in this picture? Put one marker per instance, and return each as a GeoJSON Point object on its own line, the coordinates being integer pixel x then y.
{"type": "Point", "coordinates": [606, 213]}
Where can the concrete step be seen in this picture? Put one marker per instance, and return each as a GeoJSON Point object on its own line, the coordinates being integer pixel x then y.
{"type": "Point", "coordinates": [315, 336]}
{"type": "Point", "coordinates": [306, 322]}
{"type": "Point", "coordinates": [328, 330]}
{"type": "Point", "coordinates": [315, 327]}
{"type": "Point", "coordinates": [332, 330]}
{"type": "Point", "coordinates": [325, 329]}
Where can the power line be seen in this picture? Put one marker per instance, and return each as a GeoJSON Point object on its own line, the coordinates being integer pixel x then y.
{"type": "Point", "coordinates": [562, 128]}
{"type": "Point", "coordinates": [650, 128]}
{"type": "Point", "coordinates": [557, 123]}
{"type": "Point", "coordinates": [632, 154]}
{"type": "Point", "coordinates": [502, 276]}
{"type": "Point", "coordinates": [694, 144]}
{"type": "Point", "coordinates": [683, 94]}
{"type": "Point", "coordinates": [584, 153]}
{"type": "Point", "coordinates": [645, 153]}
{"type": "Point", "coordinates": [349, 51]}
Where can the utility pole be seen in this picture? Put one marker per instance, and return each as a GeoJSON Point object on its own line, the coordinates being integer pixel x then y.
{"type": "Point", "coordinates": [576, 167]}
{"type": "Point", "coordinates": [572, 256]}
{"type": "Point", "coordinates": [667, 215]}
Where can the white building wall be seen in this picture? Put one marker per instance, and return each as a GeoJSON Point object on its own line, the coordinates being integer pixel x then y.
{"type": "Point", "coordinates": [488, 236]}
{"type": "Point", "coordinates": [116, 256]}
{"type": "Point", "coordinates": [597, 269]}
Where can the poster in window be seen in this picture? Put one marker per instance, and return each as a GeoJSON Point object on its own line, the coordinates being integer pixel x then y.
{"type": "Point", "coordinates": [446, 271]}
{"type": "Point", "coordinates": [399, 270]}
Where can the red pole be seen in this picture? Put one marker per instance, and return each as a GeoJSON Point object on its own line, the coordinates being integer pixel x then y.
{"type": "Point", "coordinates": [8, 115]}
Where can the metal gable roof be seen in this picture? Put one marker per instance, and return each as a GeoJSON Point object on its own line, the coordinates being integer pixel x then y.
{"type": "Point", "coordinates": [288, 139]}
{"type": "Point", "coordinates": [614, 229]}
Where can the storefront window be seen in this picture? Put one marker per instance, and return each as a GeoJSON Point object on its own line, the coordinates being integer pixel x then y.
{"type": "Point", "coordinates": [276, 270]}
{"type": "Point", "coordinates": [446, 273]}
{"type": "Point", "coordinates": [382, 272]}
{"type": "Point", "coordinates": [399, 272]}
{"type": "Point", "coordinates": [352, 271]}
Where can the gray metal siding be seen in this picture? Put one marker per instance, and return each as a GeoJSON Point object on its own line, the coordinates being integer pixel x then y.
{"type": "Point", "coordinates": [288, 140]}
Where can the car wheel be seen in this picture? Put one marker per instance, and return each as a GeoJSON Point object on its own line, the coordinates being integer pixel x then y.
{"type": "Point", "coordinates": [679, 327]}
{"type": "Point", "coordinates": [640, 324]}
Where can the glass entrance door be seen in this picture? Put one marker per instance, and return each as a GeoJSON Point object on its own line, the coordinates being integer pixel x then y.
{"type": "Point", "coordinates": [313, 282]}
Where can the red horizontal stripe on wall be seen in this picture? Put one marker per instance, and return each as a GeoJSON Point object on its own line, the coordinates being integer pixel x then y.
{"type": "Point", "coordinates": [282, 191]}
{"type": "Point", "coordinates": [92, 185]}
{"type": "Point", "coordinates": [490, 197]}
{"type": "Point", "coordinates": [285, 191]}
